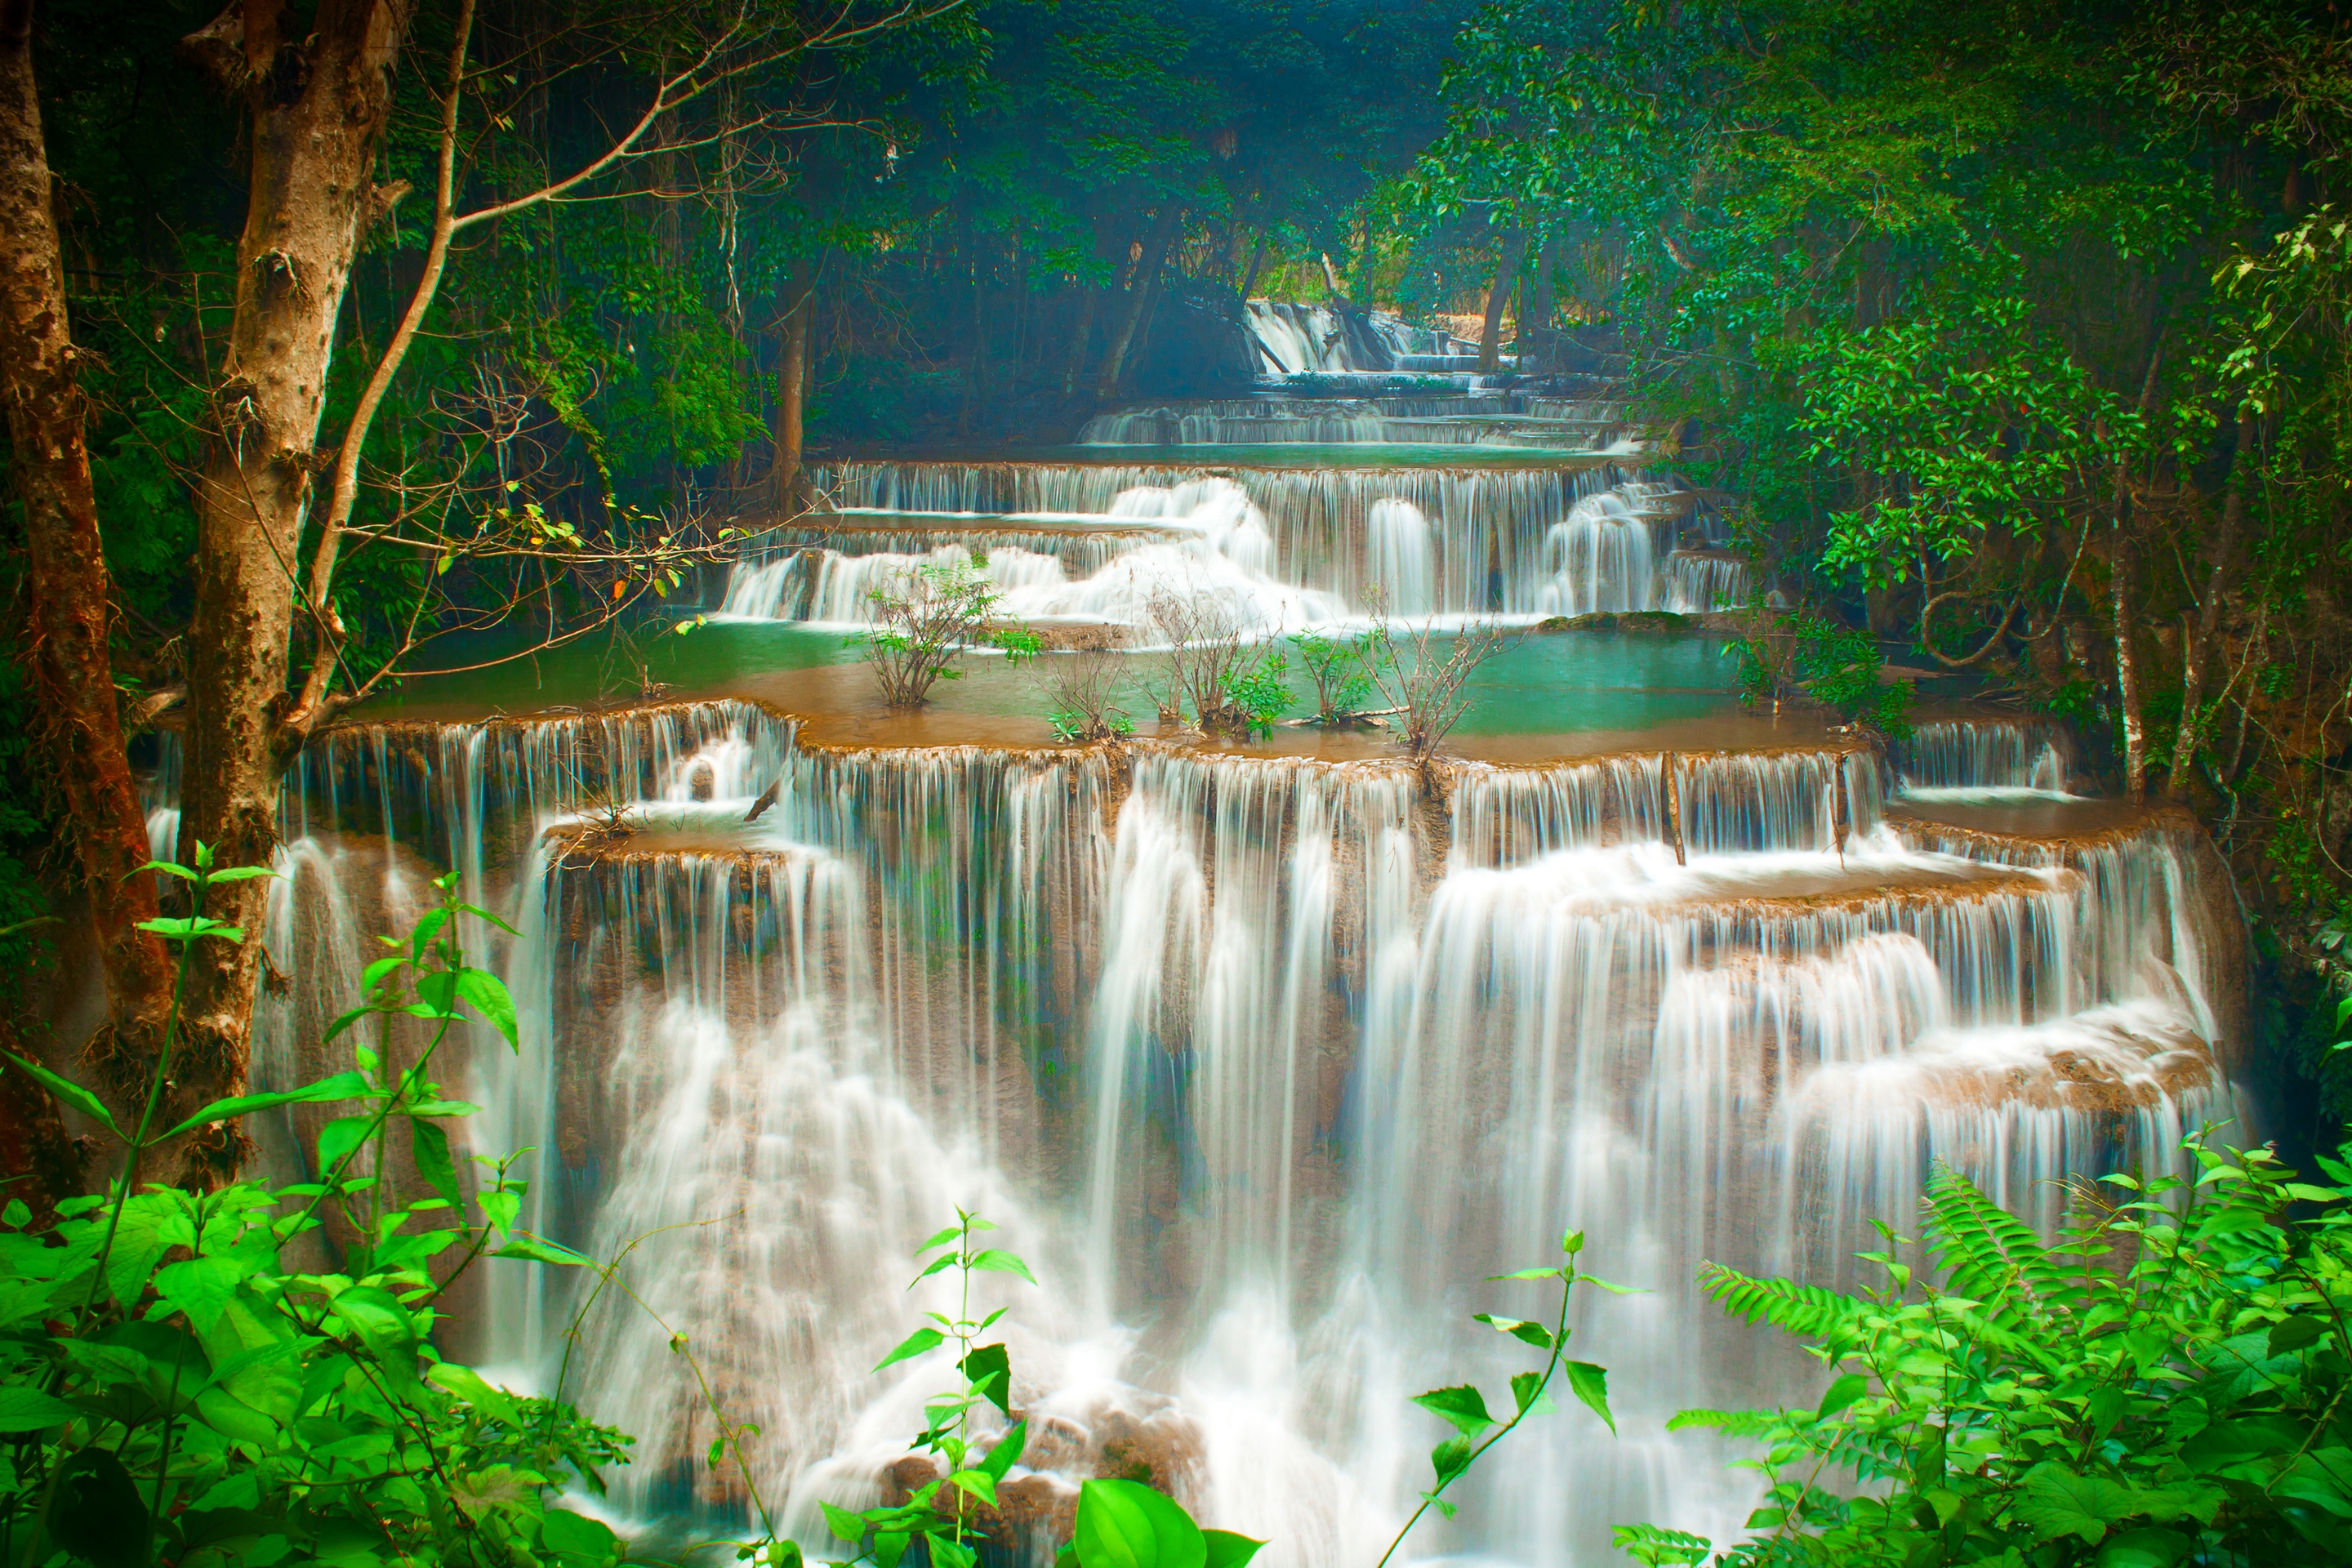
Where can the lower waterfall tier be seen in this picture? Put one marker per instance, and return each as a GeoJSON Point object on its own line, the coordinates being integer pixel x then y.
{"type": "Point", "coordinates": [1266, 1064]}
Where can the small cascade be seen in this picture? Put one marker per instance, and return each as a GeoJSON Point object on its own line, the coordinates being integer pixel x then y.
{"type": "Point", "coordinates": [1698, 582]}
{"type": "Point", "coordinates": [1976, 754]}
{"type": "Point", "coordinates": [1293, 339]}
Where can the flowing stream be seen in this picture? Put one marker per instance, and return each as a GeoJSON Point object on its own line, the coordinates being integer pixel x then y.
{"type": "Point", "coordinates": [1265, 1062]}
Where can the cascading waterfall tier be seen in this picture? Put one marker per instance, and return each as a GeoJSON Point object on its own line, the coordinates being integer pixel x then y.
{"type": "Point", "coordinates": [1264, 1063]}
{"type": "Point", "coordinates": [1289, 546]}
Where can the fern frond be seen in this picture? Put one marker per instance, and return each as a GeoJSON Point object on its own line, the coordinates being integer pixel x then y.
{"type": "Point", "coordinates": [1988, 1254]}
{"type": "Point", "coordinates": [1730, 1423]}
{"type": "Point", "coordinates": [1787, 1305]}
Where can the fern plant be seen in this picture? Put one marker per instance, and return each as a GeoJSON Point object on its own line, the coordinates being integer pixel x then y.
{"type": "Point", "coordinates": [2165, 1384]}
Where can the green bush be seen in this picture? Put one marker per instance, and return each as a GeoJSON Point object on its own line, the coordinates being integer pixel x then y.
{"type": "Point", "coordinates": [2164, 1384]}
{"type": "Point", "coordinates": [174, 1389]}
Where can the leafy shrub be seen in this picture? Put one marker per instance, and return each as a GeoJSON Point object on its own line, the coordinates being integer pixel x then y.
{"type": "Point", "coordinates": [1335, 665]}
{"type": "Point", "coordinates": [174, 1389]}
{"type": "Point", "coordinates": [924, 620]}
{"type": "Point", "coordinates": [2165, 1383]}
{"type": "Point", "coordinates": [1834, 663]}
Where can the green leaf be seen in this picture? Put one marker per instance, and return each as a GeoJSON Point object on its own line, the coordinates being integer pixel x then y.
{"type": "Point", "coordinates": [1006, 1451]}
{"type": "Point", "coordinates": [1527, 1390]}
{"type": "Point", "coordinates": [990, 1371]}
{"type": "Point", "coordinates": [2144, 1549]}
{"type": "Point", "coordinates": [487, 995]}
{"type": "Point", "coordinates": [1591, 1383]}
{"type": "Point", "coordinates": [430, 1146]}
{"type": "Point", "coordinates": [575, 1537]}
{"type": "Point", "coordinates": [996, 1260]}
{"type": "Point", "coordinates": [1840, 1394]}
{"type": "Point", "coordinates": [72, 1093]}
{"type": "Point", "coordinates": [845, 1525]}
{"type": "Point", "coordinates": [342, 1085]}
{"type": "Point", "coordinates": [1519, 1329]}
{"type": "Point", "coordinates": [1227, 1549]}
{"type": "Point", "coordinates": [380, 1322]}
{"type": "Point", "coordinates": [2055, 1501]}
{"type": "Point", "coordinates": [1462, 1404]}
{"type": "Point", "coordinates": [337, 1139]}
{"type": "Point", "coordinates": [202, 1287]}
{"type": "Point", "coordinates": [538, 1249]}
{"type": "Point", "coordinates": [24, 1409]}
{"type": "Point", "coordinates": [477, 1390]}
{"type": "Point", "coordinates": [913, 1345]}
{"type": "Point", "coordinates": [98, 1514]}
{"type": "Point", "coordinates": [1449, 1459]}
{"type": "Point", "coordinates": [1125, 1524]}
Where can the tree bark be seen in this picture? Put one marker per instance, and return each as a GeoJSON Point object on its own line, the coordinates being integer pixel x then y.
{"type": "Point", "coordinates": [69, 588]}
{"type": "Point", "coordinates": [2127, 695]}
{"type": "Point", "coordinates": [2197, 637]}
{"type": "Point", "coordinates": [794, 305]}
{"type": "Point", "coordinates": [316, 113]}
{"type": "Point", "coordinates": [1507, 273]}
{"type": "Point", "coordinates": [1139, 292]}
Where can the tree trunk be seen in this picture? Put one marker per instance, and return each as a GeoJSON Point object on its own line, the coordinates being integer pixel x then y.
{"type": "Point", "coordinates": [1257, 259]}
{"type": "Point", "coordinates": [310, 201]}
{"type": "Point", "coordinates": [1138, 294]}
{"type": "Point", "coordinates": [69, 589]}
{"type": "Point", "coordinates": [794, 305]}
{"type": "Point", "coordinates": [2127, 696]}
{"type": "Point", "coordinates": [2197, 636]}
{"type": "Point", "coordinates": [1507, 273]}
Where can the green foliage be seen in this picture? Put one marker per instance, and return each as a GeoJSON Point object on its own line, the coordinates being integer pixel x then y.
{"type": "Point", "coordinates": [2164, 1383]}
{"type": "Point", "coordinates": [1832, 664]}
{"type": "Point", "coordinates": [940, 1513]}
{"type": "Point", "coordinates": [1475, 1429]}
{"type": "Point", "coordinates": [1255, 694]}
{"type": "Point", "coordinates": [1335, 665]}
{"type": "Point", "coordinates": [174, 1388]}
{"type": "Point", "coordinates": [925, 620]}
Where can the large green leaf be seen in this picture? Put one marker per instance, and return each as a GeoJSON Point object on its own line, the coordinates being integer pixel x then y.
{"type": "Point", "coordinates": [430, 1145]}
{"type": "Point", "coordinates": [342, 1085]}
{"type": "Point", "coordinates": [1227, 1549]}
{"type": "Point", "coordinates": [1125, 1524]}
{"type": "Point", "coordinates": [913, 1345]}
{"type": "Point", "coordinates": [24, 1409]}
{"type": "Point", "coordinates": [2055, 1501]}
{"type": "Point", "coordinates": [1462, 1404]}
{"type": "Point", "coordinates": [70, 1092]}
{"type": "Point", "coordinates": [1591, 1383]}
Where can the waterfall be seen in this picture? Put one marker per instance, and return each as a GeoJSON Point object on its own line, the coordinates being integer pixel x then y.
{"type": "Point", "coordinates": [1972, 754]}
{"type": "Point", "coordinates": [1265, 1063]}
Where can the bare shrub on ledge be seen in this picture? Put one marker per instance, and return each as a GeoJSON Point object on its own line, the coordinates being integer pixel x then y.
{"type": "Point", "coordinates": [1423, 680]}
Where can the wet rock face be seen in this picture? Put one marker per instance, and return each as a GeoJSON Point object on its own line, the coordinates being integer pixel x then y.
{"type": "Point", "coordinates": [703, 781]}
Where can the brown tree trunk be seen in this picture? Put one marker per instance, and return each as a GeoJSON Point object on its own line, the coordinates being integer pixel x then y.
{"type": "Point", "coordinates": [2197, 636]}
{"type": "Point", "coordinates": [69, 588]}
{"type": "Point", "coordinates": [1507, 273]}
{"type": "Point", "coordinates": [2127, 695]}
{"type": "Point", "coordinates": [794, 305]}
{"type": "Point", "coordinates": [1139, 295]}
{"type": "Point", "coordinates": [316, 112]}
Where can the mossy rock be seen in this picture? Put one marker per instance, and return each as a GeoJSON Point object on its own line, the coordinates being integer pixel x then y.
{"type": "Point", "coordinates": [1655, 622]}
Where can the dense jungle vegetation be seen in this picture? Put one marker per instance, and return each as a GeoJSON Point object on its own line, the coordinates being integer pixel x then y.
{"type": "Point", "coordinates": [335, 333]}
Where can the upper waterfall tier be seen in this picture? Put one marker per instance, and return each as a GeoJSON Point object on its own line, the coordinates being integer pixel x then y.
{"type": "Point", "coordinates": [1287, 548]}
{"type": "Point", "coordinates": [1294, 338]}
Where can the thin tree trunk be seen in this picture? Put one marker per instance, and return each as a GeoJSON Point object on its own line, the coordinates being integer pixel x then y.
{"type": "Point", "coordinates": [69, 587]}
{"type": "Point", "coordinates": [1139, 295]}
{"type": "Point", "coordinates": [2197, 637]}
{"type": "Point", "coordinates": [1507, 273]}
{"type": "Point", "coordinates": [310, 199]}
{"type": "Point", "coordinates": [795, 297]}
{"type": "Point", "coordinates": [1074, 371]}
{"type": "Point", "coordinates": [1257, 259]}
{"type": "Point", "coordinates": [2127, 695]}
